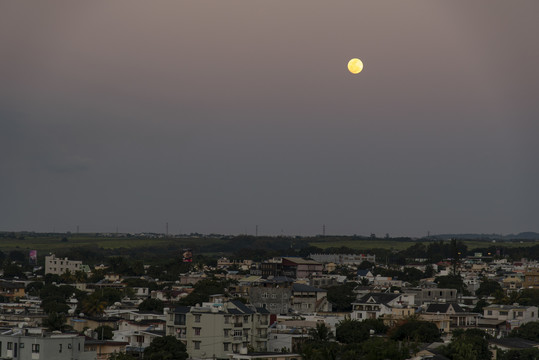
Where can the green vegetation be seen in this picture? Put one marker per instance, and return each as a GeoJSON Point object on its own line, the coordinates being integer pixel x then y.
{"type": "Point", "coordinates": [164, 348]}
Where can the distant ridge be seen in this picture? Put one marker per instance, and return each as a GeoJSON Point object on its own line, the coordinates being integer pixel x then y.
{"type": "Point", "coordinates": [528, 235]}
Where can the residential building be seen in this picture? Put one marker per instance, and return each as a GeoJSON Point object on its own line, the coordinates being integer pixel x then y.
{"type": "Point", "coordinates": [214, 330]}
{"type": "Point", "coordinates": [343, 259]}
{"type": "Point", "coordinates": [54, 265]}
{"type": "Point", "coordinates": [449, 315]}
{"type": "Point", "coordinates": [272, 294]}
{"type": "Point", "coordinates": [375, 305]}
{"type": "Point", "coordinates": [309, 299]}
{"type": "Point", "coordinates": [103, 348]}
{"type": "Point", "coordinates": [12, 289]}
{"type": "Point", "coordinates": [33, 344]}
{"type": "Point", "coordinates": [301, 268]}
{"type": "Point", "coordinates": [514, 315]}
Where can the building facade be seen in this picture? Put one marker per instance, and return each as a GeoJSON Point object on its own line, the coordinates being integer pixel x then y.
{"type": "Point", "coordinates": [21, 345]}
{"type": "Point", "coordinates": [54, 265]}
{"type": "Point", "coordinates": [216, 330]}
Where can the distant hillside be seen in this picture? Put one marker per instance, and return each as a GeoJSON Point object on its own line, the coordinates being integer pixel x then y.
{"type": "Point", "coordinates": [529, 235]}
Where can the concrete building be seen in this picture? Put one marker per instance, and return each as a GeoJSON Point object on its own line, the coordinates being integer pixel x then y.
{"type": "Point", "coordinates": [308, 299]}
{"type": "Point", "coordinates": [54, 265]}
{"type": "Point", "coordinates": [375, 305]}
{"type": "Point", "coordinates": [33, 344]}
{"type": "Point", "coordinates": [433, 295]}
{"type": "Point", "coordinates": [514, 315]}
{"type": "Point", "coordinates": [215, 330]}
{"type": "Point", "coordinates": [301, 268]}
{"type": "Point", "coordinates": [273, 294]}
{"type": "Point", "coordinates": [343, 259]}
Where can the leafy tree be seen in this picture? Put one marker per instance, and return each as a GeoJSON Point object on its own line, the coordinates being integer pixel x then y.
{"type": "Point", "coordinates": [451, 282]}
{"type": "Point", "coordinates": [166, 348]}
{"type": "Point", "coordinates": [467, 345]}
{"type": "Point", "coordinates": [202, 291]}
{"type": "Point", "coordinates": [321, 333]}
{"type": "Point", "coordinates": [416, 331]}
{"type": "Point", "coordinates": [377, 348]}
{"type": "Point", "coordinates": [55, 322]}
{"type": "Point", "coordinates": [121, 356]}
{"type": "Point", "coordinates": [104, 332]}
{"type": "Point", "coordinates": [529, 331]}
{"type": "Point", "coordinates": [488, 288]}
{"type": "Point", "coordinates": [33, 288]}
{"type": "Point", "coordinates": [354, 331]}
{"type": "Point", "coordinates": [151, 305]}
{"type": "Point", "coordinates": [479, 306]}
{"type": "Point", "coordinates": [94, 305]}
{"type": "Point", "coordinates": [524, 354]}
{"type": "Point", "coordinates": [342, 296]}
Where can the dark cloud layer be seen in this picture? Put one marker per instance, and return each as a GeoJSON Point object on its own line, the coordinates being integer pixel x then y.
{"type": "Point", "coordinates": [218, 116]}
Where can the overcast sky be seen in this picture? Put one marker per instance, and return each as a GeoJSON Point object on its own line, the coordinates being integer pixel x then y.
{"type": "Point", "coordinates": [217, 116]}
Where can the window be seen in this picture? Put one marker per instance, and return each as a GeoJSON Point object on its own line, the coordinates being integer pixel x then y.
{"type": "Point", "coordinates": [237, 332]}
{"type": "Point", "coordinates": [197, 318]}
{"type": "Point", "coordinates": [246, 318]}
{"type": "Point", "coordinates": [21, 345]}
{"type": "Point", "coordinates": [273, 296]}
{"type": "Point", "coordinates": [265, 295]}
{"type": "Point", "coordinates": [197, 345]}
{"type": "Point", "coordinates": [69, 346]}
{"type": "Point", "coordinates": [489, 312]}
{"type": "Point", "coordinates": [35, 348]}
{"type": "Point", "coordinates": [227, 332]}
{"type": "Point", "coordinates": [60, 348]}
{"type": "Point", "coordinates": [227, 319]}
{"type": "Point", "coordinates": [140, 339]}
{"type": "Point", "coordinates": [10, 345]}
{"type": "Point", "coordinates": [225, 346]}
{"type": "Point", "coordinates": [197, 331]}
{"type": "Point", "coordinates": [179, 319]}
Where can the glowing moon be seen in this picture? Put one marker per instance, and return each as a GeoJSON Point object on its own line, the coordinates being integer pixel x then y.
{"type": "Point", "coordinates": [355, 66]}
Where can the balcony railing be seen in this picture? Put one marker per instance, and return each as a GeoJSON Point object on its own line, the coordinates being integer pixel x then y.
{"type": "Point", "coordinates": [238, 325]}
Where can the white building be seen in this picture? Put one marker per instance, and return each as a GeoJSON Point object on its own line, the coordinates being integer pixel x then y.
{"type": "Point", "coordinates": [54, 265]}
{"type": "Point", "coordinates": [514, 315]}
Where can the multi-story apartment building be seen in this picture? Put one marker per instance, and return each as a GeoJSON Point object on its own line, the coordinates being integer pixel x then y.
{"type": "Point", "coordinates": [514, 315]}
{"type": "Point", "coordinates": [215, 330]}
{"type": "Point", "coordinates": [344, 259]}
{"type": "Point", "coordinates": [54, 265]}
{"type": "Point", "coordinates": [21, 344]}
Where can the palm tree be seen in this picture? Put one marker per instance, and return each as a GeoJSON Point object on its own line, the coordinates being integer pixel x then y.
{"type": "Point", "coordinates": [93, 305]}
{"type": "Point", "coordinates": [321, 333]}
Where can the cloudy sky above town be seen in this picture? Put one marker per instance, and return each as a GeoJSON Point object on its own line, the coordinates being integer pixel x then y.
{"type": "Point", "coordinates": [217, 116]}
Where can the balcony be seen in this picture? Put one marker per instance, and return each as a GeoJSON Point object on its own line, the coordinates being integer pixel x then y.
{"type": "Point", "coordinates": [238, 325]}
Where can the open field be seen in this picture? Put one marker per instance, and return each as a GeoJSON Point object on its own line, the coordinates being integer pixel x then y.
{"type": "Point", "coordinates": [401, 245]}
{"type": "Point", "coordinates": [52, 243]}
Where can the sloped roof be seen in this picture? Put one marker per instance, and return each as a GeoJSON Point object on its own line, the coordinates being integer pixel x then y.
{"type": "Point", "coordinates": [443, 308]}
{"type": "Point", "coordinates": [242, 307]}
{"type": "Point", "coordinates": [182, 309]}
{"type": "Point", "coordinates": [306, 288]}
{"type": "Point", "coordinates": [379, 298]}
{"type": "Point", "coordinates": [514, 343]}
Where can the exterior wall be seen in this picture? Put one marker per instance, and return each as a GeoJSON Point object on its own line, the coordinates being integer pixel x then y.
{"type": "Point", "coordinates": [11, 289]}
{"type": "Point", "coordinates": [435, 295]}
{"type": "Point", "coordinates": [61, 347]}
{"type": "Point", "coordinates": [343, 259]}
{"type": "Point", "coordinates": [369, 311]}
{"type": "Point", "coordinates": [275, 299]}
{"type": "Point", "coordinates": [54, 265]}
{"type": "Point", "coordinates": [209, 332]}
{"type": "Point", "coordinates": [514, 315]}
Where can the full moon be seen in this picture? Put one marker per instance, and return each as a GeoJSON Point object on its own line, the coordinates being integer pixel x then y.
{"type": "Point", "coordinates": [355, 66]}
